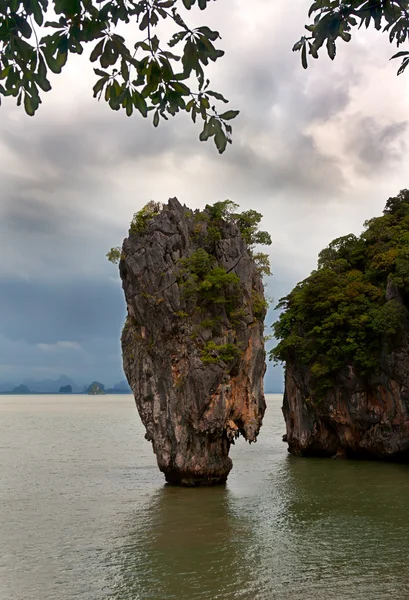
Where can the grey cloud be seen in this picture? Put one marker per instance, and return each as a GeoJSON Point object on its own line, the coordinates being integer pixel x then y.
{"type": "Point", "coordinates": [297, 167]}
{"type": "Point", "coordinates": [327, 100]}
{"type": "Point", "coordinates": [377, 143]}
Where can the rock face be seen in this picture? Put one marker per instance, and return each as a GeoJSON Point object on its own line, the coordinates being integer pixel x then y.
{"type": "Point", "coordinates": [357, 418]}
{"type": "Point", "coordinates": [193, 354]}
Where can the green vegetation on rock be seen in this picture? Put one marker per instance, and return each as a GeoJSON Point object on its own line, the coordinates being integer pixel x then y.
{"type": "Point", "coordinates": [96, 389]}
{"type": "Point", "coordinates": [114, 254]}
{"type": "Point", "coordinates": [353, 308]}
{"type": "Point", "coordinates": [142, 217]}
{"type": "Point", "coordinates": [214, 353]}
{"type": "Point", "coordinates": [201, 276]}
{"type": "Point", "coordinates": [247, 221]}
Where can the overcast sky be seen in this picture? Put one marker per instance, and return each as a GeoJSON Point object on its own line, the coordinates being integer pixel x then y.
{"type": "Point", "coordinates": [317, 152]}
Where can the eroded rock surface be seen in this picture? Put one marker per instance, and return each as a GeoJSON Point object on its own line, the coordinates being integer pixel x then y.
{"type": "Point", "coordinates": [358, 418]}
{"type": "Point", "coordinates": [195, 360]}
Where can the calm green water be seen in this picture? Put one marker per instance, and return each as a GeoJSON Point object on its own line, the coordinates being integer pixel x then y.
{"type": "Point", "coordinates": [84, 515]}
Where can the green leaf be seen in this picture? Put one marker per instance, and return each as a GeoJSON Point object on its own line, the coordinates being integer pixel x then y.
{"type": "Point", "coordinates": [331, 48]}
{"type": "Point", "coordinates": [217, 96]}
{"type": "Point", "coordinates": [403, 66]}
{"type": "Point", "coordinates": [97, 51]}
{"type": "Point", "coordinates": [304, 56]}
{"type": "Point", "coordinates": [208, 131]}
{"type": "Point", "coordinates": [129, 105]}
{"type": "Point", "coordinates": [145, 21]}
{"type": "Point", "coordinates": [209, 33]}
{"type": "Point", "coordinates": [298, 45]}
{"type": "Point", "coordinates": [177, 37]}
{"type": "Point", "coordinates": [23, 26]}
{"type": "Point", "coordinates": [42, 69]}
{"type": "Point", "coordinates": [181, 88]}
{"type": "Point", "coordinates": [52, 64]}
{"type": "Point", "coordinates": [140, 103]}
{"type": "Point", "coordinates": [220, 138]}
{"type": "Point", "coordinates": [61, 59]}
{"type": "Point", "coordinates": [5, 72]}
{"type": "Point", "coordinates": [156, 119]}
{"type": "Point", "coordinates": [101, 73]}
{"type": "Point", "coordinates": [99, 86]}
{"type": "Point", "coordinates": [28, 106]}
{"type": "Point", "coordinates": [43, 82]}
{"type": "Point", "coordinates": [313, 50]}
{"type": "Point", "coordinates": [399, 54]}
{"type": "Point", "coordinates": [190, 56]}
{"type": "Point", "coordinates": [124, 70]}
{"type": "Point", "coordinates": [142, 45]}
{"type": "Point", "coordinates": [230, 114]}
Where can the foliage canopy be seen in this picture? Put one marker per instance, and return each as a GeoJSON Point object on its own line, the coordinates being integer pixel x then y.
{"type": "Point", "coordinates": [335, 19]}
{"type": "Point", "coordinates": [340, 315]}
{"type": "Point", "coordinates": [148, 75]}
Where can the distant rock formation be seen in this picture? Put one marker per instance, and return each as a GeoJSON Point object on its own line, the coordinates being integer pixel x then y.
{"type": "Point", "coordinates": [96, 389]}
{"type": "Point", "coordinates": [21, 389]}
{"type": "Point", "coordinates": [46, 386]}
{"type": "Point", "coordinates": [119, 388]}
{"type": "Point", "coordinates": [65, 389]}
{"type": "Point", "coordinates": [193, 345]}
{"type": "Point", "coordinates": [122, 386]}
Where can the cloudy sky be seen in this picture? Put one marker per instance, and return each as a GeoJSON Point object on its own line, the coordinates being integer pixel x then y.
{"type": "Point", "coordinates": [317, 152]}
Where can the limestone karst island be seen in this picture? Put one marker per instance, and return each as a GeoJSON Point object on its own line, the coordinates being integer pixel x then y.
{"type": "Point", "coordinates": [193, 341]}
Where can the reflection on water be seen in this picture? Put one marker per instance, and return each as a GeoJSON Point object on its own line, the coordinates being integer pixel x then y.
{"type": "Point", "coordinates": [186, 545]}
{"type": "Point", "coordinates": [85, 515]}
{"type": "Point", "coordinates": [349, 524]}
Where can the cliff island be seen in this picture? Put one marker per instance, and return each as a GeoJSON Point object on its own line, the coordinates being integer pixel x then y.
{"type": "Point", "coordinates": [193, 341]}
{"type": "Point", "coordinates": [344, 337]}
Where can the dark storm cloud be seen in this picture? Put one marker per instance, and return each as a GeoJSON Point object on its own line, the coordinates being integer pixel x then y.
{"type": "Point", "coordinates": [48, 311]}
{"type": "Point", "coordinates": [53, 327]}
{"type": "Point", "coordinates": [30, 216]}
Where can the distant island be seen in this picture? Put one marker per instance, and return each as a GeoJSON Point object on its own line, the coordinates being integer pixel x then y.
{"type": "Point", "coordinates": [21, 389]}
{"type": "Point", "coordinates": [62, 385]}
{"type": "Point", "coordinates": [65, 389]}
{"type": "Point", "coordinates": [96, 389]}
{"type": "Point", "coordinates": [66, 385]}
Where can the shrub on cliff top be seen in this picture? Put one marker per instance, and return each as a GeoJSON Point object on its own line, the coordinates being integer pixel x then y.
{"type": "Point", "coordinates": [213, 216]}
{"type": "Point", "coordinates": [143, 216]}
{"type": "Point", "coordinates": [339, 315]}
